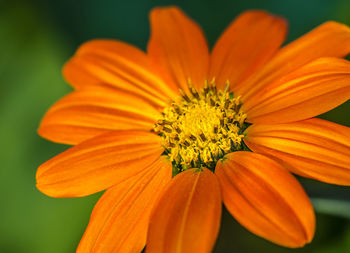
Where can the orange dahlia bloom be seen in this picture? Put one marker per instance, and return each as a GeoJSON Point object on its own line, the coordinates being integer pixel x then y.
{"type": "Point", "coordinates": [172, 132]}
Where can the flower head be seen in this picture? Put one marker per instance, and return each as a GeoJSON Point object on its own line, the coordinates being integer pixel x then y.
{"type": "Point", "coordinates": [172, 133]}
{"type": "Point", "coordinates": [200, 129]}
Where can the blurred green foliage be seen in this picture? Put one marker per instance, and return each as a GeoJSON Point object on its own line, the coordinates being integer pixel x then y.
{"type": "Point", "coordinates": [38, 37]}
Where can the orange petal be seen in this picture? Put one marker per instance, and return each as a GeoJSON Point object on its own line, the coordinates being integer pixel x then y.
{"type": "Point", "coordinates": [119, 221]}
{"type": "Point", "coordinates": [330, 39]}
{"type": "Point", "coordinates": [246, 45]}
{"type": "Point", "coordinates": [313, 148]}
{"type": "Point", "coordinates": [84, 114]}
{"type": "Point", "coordinates": [187, 216]}
{"type": "Point", "coordinates": [98, 163]}
{"type": "Point", "coordinates": [178, 48]}
{"type": "Point", "coordinates": [266, 199]}
{"type": "Point", "coordinates": [117, 64]}
{"type": "Point", "coordinates": [307, 92]}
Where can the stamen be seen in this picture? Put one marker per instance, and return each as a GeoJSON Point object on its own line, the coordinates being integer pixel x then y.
{"type": "Point", "coordinates": [185, 96]}
{"type": "Point", "coordinates": [203, 137]}
{"type": "Point", "coordinates": [192, 137]}
{"type": "Point", "coordinates": [168, 130]}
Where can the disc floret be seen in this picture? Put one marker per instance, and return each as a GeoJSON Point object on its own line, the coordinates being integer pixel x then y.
{"type": "Point", "coordinates": [199, 128]}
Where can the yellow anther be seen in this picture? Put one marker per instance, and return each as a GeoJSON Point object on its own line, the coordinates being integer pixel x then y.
{"type": "Point", "coordinates": [212, 82]}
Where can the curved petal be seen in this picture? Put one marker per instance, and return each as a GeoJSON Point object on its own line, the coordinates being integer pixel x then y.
{"type": "Point", "coordinates": [84, 114]}
{"type": "Point", "coordinates": [187, 216]}
{"type": "Point", "coordinates": [98, 163]}
{"type": "Point", "coordinates": [330, 39]}
{"type": "Point", "coordinates": [245, 46]}
{"type": "Point", "coordinates": [119, 65]}
{"type": "Point", "coordinates": [178, 48]}
{"type": "Point", "coordinates": [119, 221]}
{"type": "Point", "coordinates": [307, 92]}
{"type": "Point", "coordinates": [266, 199]}
{"type": "Point", "coordinates": [313, 148]}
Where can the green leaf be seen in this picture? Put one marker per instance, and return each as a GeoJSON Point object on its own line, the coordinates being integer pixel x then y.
{"type": "Point", "coordinates": [334, 207]}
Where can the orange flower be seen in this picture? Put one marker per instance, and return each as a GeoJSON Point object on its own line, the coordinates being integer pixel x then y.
{"type": "Point", "coordinates": [138, 118]}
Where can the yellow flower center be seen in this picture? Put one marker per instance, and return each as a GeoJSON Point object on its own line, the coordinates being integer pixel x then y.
{"type": "Point", "coordinates": [199, 128]}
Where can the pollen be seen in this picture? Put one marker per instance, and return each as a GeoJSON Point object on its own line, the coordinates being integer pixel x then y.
{"type": "Point", "coordinates": [200, 128]}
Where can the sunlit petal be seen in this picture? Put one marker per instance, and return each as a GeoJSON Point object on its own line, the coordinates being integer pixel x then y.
{"type": "Point", "coordinates": [119, 221]}
{"type": "Point", "coordinates": [245, 47]}
{"type": "Point", "coordinates": [117, 64]}
{"type": "Point", "coordinates": [178, 48]}
{"type": "Point", "coordinates": [266, 199]}
{"type": "Point", "coordinates": [307, 92]}
{"type": "Point", "coordinates": [187, 216]}
{"type": "Point", "coordinates": [313, 148]}
{"type": "Point", "coordinates": [86, 113]}
{"type": "Point", "coordinates": [330, 39]}
{"type": "Point", "coordinates": [98, 163]}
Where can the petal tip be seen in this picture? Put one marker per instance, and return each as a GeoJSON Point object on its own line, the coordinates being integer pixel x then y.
{"type": "Point", "coordinates": [337, 25]}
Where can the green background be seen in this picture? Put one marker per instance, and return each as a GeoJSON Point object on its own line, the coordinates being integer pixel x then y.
{"type": "Point", "coordinates": [37, 37]}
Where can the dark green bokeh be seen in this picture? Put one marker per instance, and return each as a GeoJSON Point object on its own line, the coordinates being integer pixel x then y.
{"type": "Point", "coordinates": [38, 37]}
